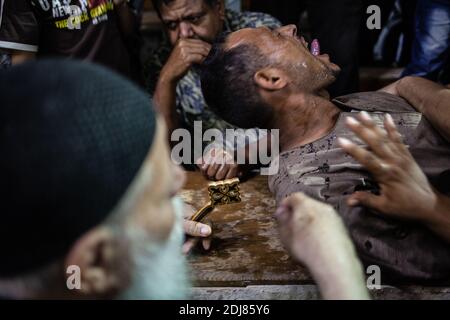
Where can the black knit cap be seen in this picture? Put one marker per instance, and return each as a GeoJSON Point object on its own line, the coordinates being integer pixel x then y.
{"type": "Point", "coordinates": [72, 138]}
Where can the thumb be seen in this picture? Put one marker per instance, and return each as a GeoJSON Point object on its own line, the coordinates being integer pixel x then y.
{"type": "Point", "coordinates": [196, 229]}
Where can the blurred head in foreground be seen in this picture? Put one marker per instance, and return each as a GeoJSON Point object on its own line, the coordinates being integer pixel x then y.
{"type": "Point", "coordinates": [88, 188]}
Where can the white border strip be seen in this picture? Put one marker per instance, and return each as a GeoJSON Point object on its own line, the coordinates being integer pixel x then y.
{"type": "Point", "coordinates": [1, 12]}
{"type": "Point", "coordinates": [18, 46]}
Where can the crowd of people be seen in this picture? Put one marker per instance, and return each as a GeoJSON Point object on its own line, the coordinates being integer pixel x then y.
{"type": "Point", "coordinates": [85, 138]}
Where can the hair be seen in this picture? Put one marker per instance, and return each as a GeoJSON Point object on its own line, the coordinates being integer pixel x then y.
{"type": "Point", "coordinates": [227, 79]}
{"type": "Point", "coordinates": [158, 3]}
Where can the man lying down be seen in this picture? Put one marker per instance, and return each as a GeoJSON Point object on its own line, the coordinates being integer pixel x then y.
{"type": "Point", "coordinates": [270, 79]}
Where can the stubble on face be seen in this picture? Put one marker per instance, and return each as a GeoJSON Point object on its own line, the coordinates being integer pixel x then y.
{"type": "Point", "coordinates": [290, 53]}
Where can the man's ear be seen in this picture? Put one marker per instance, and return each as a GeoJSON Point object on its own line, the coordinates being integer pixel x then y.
{"type": "Point", "coordinates": [98, 257]}
{"type": "Point", "coordinates": [271, 79]}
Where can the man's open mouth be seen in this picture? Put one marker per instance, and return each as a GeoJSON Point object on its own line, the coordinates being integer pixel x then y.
{"type": "Point", "coordinates": [315, 47]}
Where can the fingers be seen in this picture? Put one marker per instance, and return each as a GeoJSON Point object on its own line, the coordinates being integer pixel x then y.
{"type": "Point", "coordinates": [194, 42]}
{"type": "Point", "coordinates": [203, 164]}
{"type": "Point", "coordinates": [228, 169]}
{"type": "Point", "coordinates": [189, 245]}
{"type": "Point", "coordinates": [222, 172]}
{"type": "Point", "coordinates": [185, 53]}
{"type": "Point", "coordinates": [208, 165]}
{"type": "Point", "coordinates": [209, 170]}
{"type": "Point", "coordinates": [193, 51]}
{"type": "Point", "coordinates": [197, 229]}
{"type": "Point", "coordinates": [366, 199]}
{"type": "Point", "coordinates": [212, 170]}
{"type": "Point", "coordinates": [233, 172]}
{"type": "Point", "coordinates": [218, 165]}
{"type": "Point", "coordinates": [370, 133]}
{"type": "Point", "coordinates": [386, 145]}
{"type": "Point", "coordinates": [195, 58]}
{"type": "Point", "coordinates": [191, 229]}
{"type": "Point", "coordinates": [206, 243]}
{"type": "Point", "coordinates": [364, 157]}
{"type": "Point", "coordinates": [189, 55]}
{"type": "Point", "coordinates": [204, 47]}
{"type": "Point", "coordinates": [391, 130]}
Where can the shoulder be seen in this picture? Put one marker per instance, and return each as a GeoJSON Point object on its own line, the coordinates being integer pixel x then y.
{"type": "Point", "coordinates": [246, 19]}
{"type": "Point", "coordinates": [373, 101]}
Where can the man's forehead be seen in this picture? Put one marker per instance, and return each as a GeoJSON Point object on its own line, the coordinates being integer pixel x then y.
{"type": "Point", "coordinates": [246, 36]}
{"type": "Point", "coordinates": [180, 8]}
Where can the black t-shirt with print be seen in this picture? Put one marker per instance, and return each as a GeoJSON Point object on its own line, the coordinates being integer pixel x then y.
{"type": "Point", "coordinates": [83, 29]}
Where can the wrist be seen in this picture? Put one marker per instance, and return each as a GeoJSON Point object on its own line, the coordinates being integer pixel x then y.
{"type": "Point", "coordinates": [166, 78]}
{"type": "Point", "coordinates": [164, 98]}
{"type": "Point", "coordinates": [166, 82]}
{"type": "Point", "coordinates": [439, 216]}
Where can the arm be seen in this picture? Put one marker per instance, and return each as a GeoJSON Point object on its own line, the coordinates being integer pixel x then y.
{"type": "Point", "coordinates": [185, 53]}
{"type": "Point", "coordinates": [429, 98]}
{"type": "Point", "coordinates": [18, 57]}
{"type": "Point", "coordinates": [165, 102]}
{"type": "Point", "coordinates": [315, 235]}
{"type": "Point", "coordinates": [405, 191]}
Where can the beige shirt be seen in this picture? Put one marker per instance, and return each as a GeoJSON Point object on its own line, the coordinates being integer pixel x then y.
{"type": "Point", "coordinates": [322, 170]}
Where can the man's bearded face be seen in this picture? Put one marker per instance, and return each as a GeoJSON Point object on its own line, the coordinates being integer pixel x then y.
{"type": "Point", "coordinates": [159, 269]}
{"type": "Point", "coordinates": [153, 227]}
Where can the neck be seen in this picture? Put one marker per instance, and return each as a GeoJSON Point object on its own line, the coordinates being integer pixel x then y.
{"type": "Point", "coordinates": [304, 118]}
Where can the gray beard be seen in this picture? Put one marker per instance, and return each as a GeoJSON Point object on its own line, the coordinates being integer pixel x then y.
{"type": "Point", "coordinates": [160, 269]}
